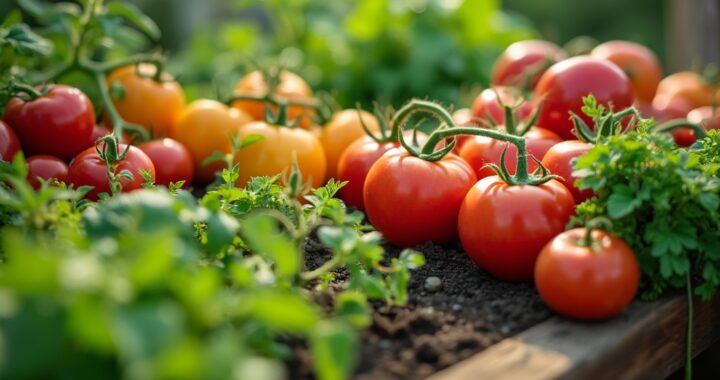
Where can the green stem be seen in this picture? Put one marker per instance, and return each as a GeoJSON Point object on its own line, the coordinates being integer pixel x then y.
{"type": "Point", "coordinates": [689, 350]}
{"type": "Point", "coordinates": [119, 124]}
{"type": "Point", "coordinates": [321, 270]}
{"type": "Point", "coordinates": [272, 99]}
{"type": "Point", "coordinates": [671, 125]}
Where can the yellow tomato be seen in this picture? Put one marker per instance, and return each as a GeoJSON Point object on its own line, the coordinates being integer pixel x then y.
{"type": "Point", "coordinates": [342, 130]}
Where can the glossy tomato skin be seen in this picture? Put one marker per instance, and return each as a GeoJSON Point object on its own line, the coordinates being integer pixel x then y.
{"type": "Point", "coordinates": [503, 227]}
{"type": "Point", "coordinates": [273, 154]}
{"type": "Point", "coordinates": [172, 161]}
{"type": "Point", "coordinates": [9, 143]}
{"type": "Point", "coordinates": [411, 201]}
{"type": "Point", "coordinates": [47, 168]}
{"type": "Point", "coordinates": [479, 151]}
{"type": "Point", "coordinates": [87, 169]}
{"type": "Point", "coordinates": [701, 115]}
{"type": "Point", "coordinates": [204, 127]}
{"type": "Point", "coordinates": [59, 124]}
{"type": "Point", "coordinates": [487, 107]}
{"type": "Point", "coordinates": [585, 283]}
{"type": "Point", "coordinates": [564, 84]}
{"type": "Point", "coordinates": [342, 130]}
{"type": "Point", "coordinates": [689, 86]}
{"type": "Point", "coordinates": [637, 61]}
{"type": "Point", "coordinates": [523, 59]}
{"type": "Point", "coordinates": [153, 105]}
{"type": "Point", "coordinates": [558, 160]}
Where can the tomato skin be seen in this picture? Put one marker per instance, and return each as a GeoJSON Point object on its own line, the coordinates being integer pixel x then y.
{"type": "Point", "coordinates": [558, 160]}
{"type": "Point", "coordinates": [701, 115]}
{"type": "Point", "coordinates": [486, 105]}
{"type": "Point", "coordinates": [562, 87]}
{"type": "Point", "coordinates": [150, 104]}
{"type": "Point", "coordinates": [637, 61]}
{"type": "Point", "coordinates": [354, 165]}
{"type": "Point", "coordinates": [342, 130]}
{"type": "Point", "coordinates": [521, 58]}
{"type": "Point", "coordinates": [59, 124]}
{"type": "Point", "coordinates": [583, 283]}
{"type": "Point", "coordinates": [87, 169]}
{"type": "Point", "coordinates": [479, 151]}
{"type": "Point", "coordinates": [9, 143]}
{"type": "Point", "coordinates": [172, 161]}
{"type": "Point", "coordinates": [204, 127]}
{"type": "Point", "coordinates": [503, 227]}
{"type": "Point", "coordinates": [411, 201]}
{"type": "Point", "coordinates": [689, 86]}
{"type": "Point", "coordinates": [273, 154]}
{"type": "Point", "coordinates": [47, 168]}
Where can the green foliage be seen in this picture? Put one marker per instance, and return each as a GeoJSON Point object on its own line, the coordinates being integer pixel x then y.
{"type": "Point", "coordinates": [663, 201]}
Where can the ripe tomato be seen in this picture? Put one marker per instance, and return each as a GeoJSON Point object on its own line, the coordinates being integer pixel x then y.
{"type": "Point", "coordinates": [291, 87]}
{"type": "Point", "coordinates": [464, 117]}
{"type": "Point", "coordinates": [153, 105]}
{"type": "Point", "coordinates": [637, 61]}
{"type": "Point", "coordinates": [564, 84]}
{"type": "Point", "coordinates": [342, 130]}
{"type": "Point", "coordinates": [203, 127]}
{"type": "Point", "coordinates": [411, 201]}
{"type": "Point", "coordinates": [479, 151]}
{"type": "Point", "coordinates": [524, 62]}
{"type": "Point", "coordinates": [503, 227]}
{"type": "Point", "coordinates": [487, 107]}
{"type": "Point", "coordinates": [46, 168]}
{"type": "Point", "coordinates": [87, 169]}
{"type": "Point", "coordinates": [705, 117]}
{"type": "Point", "coordinates": [59, 123]}
{"type": "Point", "coordinates": [584, 282]}
{"type": "Point", "coordinates": [9, 144]}
{"type": "Point", "coordinates": [558, 160]}
{"type": "Point", "coordinates": [172, 161]}
{"type": "Point", "coordinates": [689, 86]}
{"type": "Point", "coordinates": [273, 154]}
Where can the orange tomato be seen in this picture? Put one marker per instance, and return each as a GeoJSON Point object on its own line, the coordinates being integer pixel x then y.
{"type": "Point", "coordinates": [291, 87]}
{"type": "Point", "coordinates": [637, 61]}
{"type": "Point", "coordinates": [153, 105]}
{"type": "Point", "coordinates": [204, 127]}
{"type": "Point", "coordinates": [687, 85]}
{"type": "Point", "coordinates": [342, 130]}
{"type": "Point", "coordinates": [273, 154]}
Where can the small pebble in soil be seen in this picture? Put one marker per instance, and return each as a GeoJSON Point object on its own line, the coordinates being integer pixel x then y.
{"type": "Point", "coordinates": [433, 283]}
{"type": "Point", "coordinates": [456, 307]}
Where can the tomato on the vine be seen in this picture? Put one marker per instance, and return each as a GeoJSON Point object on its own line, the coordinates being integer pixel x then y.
{"type": "Point", "coordinates": [637, 61]}
{"type": "Point", "coordinates": [9, 143]}
{"type": "Point", "coordinates": [503, 227]}
{"type": "Point", "coordinates": [46, 168]}
{"type": "Point", "coordinates": [523, 62]}
{"type": "Point", "coordinates": [487, 106]}
{"type": "Point", "coordinates": [558, 160]}
{"type": "Point", "coordinates": [342, 130]}
{"type": "Point", "coordinates": [587, 281]}
{"type": "Point", "coordinates": [701, 115]}
{"type": "Point", "coordinates": [172, 161]}
{"type": "Point", "coordinates": [59, 122]}
{"type": "Point", "coordinates": [142, 100]}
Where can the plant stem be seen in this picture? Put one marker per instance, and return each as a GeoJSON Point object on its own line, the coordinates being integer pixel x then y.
{"type": "Point", "coordinates": [321, 270]}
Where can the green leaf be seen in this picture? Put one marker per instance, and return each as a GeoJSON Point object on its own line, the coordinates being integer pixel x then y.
{"type": "Point", "coordinates": [711, 201]}
{"type": "Point", "coordinates": [333, 345]}
{"type": "Point", "coordinates": [353, 306]}
{"type": "Point", "coordinates": [134, 15]}
{"type": "Point", "coordinates": [250, 139]}
{"type": "Point", "coordinates": [283, 311]}
{"type": "Point", "coordinates": [145, 329]}
{"type": "Point", "coordinates": [622, 201]}
{"type": "Point", "coordinates": [221, 230]}
{"type": "Point", "coordinates": [24, 41]}
{"type": "Point", "coordinates": [262, 234]}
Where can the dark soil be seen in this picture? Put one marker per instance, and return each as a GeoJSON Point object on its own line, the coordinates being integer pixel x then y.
{"type": "Point", "coordinates": [468, 312]}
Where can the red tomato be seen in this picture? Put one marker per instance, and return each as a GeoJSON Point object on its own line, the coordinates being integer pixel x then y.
{"type": "Point", "coordinates": [411, 201]}
{"type": "Point", "coordinates": [87, 169]}
{"type": "Point", "coordinates": [564, 84]}
{"type": "Point", "coordinates": [558, 160]}
{"type": "Point", "coordinates": [690, 86]}
{"type": "Point", "coordinates": [503, 227]}
{"type": "Point", "coordinates": [701, 115]}
{"type": "Point", "coordinates": [60, 123]}
{"type": "Point", "coordinates": [172, 161]}
{"type": "Point", "coordinates": [479, 151]}
{"type": "Point", "coordinates": [46, 168]}
{"type": "Point", "coordinates": [487, 107]}
{"type": "Point", "coordinates": [464, 117]}
{"type": "Point", "coordinates": [524, 61]}
{"type": "Point", "coordinates": [9, 144]}
{"type": "Point", "coordinates": [583, 282]}
{"type": "Point", "coordinates": [637, 61]}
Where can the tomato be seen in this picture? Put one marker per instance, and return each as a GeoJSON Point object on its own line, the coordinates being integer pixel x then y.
{"type": "Point", "coordinates": [558, 160]}
{"type": "Point", "coordinates": [588, 283]}
{"type": "Point", "coordinates": [524, 61]}
{"type": "Point", "coordinates": [637, 61]}
{"type": "Point", "coordinates": [47, 168]}
{"type": "Point", "coordinates": [411, 201]}
{"type": "Point", "coordinates": [87, 169]}
{"type": "Point", "coordinates": [563, 85]}
{"type": "Point", "coordinates": [487, 107]}
{"type": "Point", "coordinates": [464, 117]}
{"type": "Point", "coordinates": [342, 130]}
{"type": "Point", "coordinates": [172, 161]}
{"type": "Point", "coordinates": [273, 154]}
{"type": "Point", "coordinates": [203, 127]}
{"type": "Point", "coordinates": [689, 86]}
{"type": "Point", "coordinates": [153, 105]}
{"type": "Point", "coordinates": [705, 117]}
{"type": "Point", "coordinates": [9, 144]}
{"type": "Point", "coordinates": [290, 87]}
{"type": "Point", "coordinates": [59, 123]}
{"type": "Point", "coordinates": [479, 151]}
{"type": "Point", "coordinates": [503, 227]}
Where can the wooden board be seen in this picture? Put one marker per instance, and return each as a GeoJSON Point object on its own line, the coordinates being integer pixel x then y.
{"type": "Point", "coordinates": [646, 342]}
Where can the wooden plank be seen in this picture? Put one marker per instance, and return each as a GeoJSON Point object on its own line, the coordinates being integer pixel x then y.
{"type": "Point", "coordinates": [646, 342]}
{"type": "Point", "coordinates": [692, 33]}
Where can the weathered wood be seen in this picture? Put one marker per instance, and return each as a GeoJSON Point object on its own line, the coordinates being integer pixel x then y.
{"type": "Point", "coordinates": [646, 342]}
{"type": "Point", "coordinates": [692, 33]}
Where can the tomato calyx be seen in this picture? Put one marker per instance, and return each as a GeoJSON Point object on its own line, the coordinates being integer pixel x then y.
{"type": "Point", "coordinates": [607, 123]}
{"type": "Point", "coordinates": [24, 91]}
{"type": "Point", "coordinates": [107, 150]}
{"type": "Point", "coordinates": [598, 223]}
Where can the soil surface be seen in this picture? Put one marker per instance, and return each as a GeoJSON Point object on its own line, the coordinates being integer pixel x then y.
{"type": "Point", "coordinates": [441, 325]}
